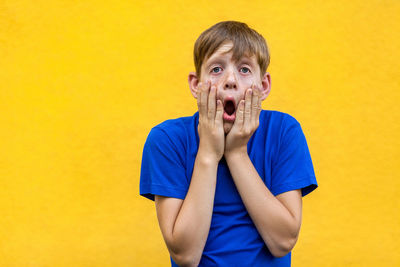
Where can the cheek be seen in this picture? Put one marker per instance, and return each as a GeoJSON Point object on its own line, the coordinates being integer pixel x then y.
{"type": "Point", "coordinates": [243, 82]}
{"type": "Point", "coordinates": [247, 81]}
{"type": "Point", "coordinates": [216, 80]}
{"type": "Point", "coordinates": [218, 83]}
{"type": "Point", "coordinates": [206, 77]}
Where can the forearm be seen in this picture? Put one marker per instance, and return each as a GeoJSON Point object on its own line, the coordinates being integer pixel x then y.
{"type": "Point", "coordinates": [193, 222]}
{"type": "Point", "coordinates": [272, 219]}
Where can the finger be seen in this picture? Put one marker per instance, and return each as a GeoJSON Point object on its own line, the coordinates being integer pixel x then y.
{"type": "Point", "coordinates": [204, 99]}
{"type": "Point", "coordinates": [239, 115]}
{"type": "Point", "coordinates": [247, 106]}
{"type": "Point", "coordinates": [219, 113]}
{"type": "Point", "coordinates": [259, 108]}
{"type": "Point", "coordinates": [259, 105]}
{"type": "Point", "coordinates": [199, 97]}
{"type": "Point", "coordinates": [255, 110]}
{"type": "Point", "coordinates": [211, 103]}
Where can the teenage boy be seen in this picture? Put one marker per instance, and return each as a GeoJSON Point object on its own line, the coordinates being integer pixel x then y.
{"type": "Point", "coordinates": [228, 181]}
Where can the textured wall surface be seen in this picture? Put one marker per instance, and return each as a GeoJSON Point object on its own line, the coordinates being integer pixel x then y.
{"type": "Point", "coordinates": [83, 82]}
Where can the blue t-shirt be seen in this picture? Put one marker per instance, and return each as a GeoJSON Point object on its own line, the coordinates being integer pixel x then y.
{"type": "Point", "coordinates": [277, 149]}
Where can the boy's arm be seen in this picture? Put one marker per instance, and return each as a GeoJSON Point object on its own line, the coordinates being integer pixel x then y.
{"type": "Point", "coordinates": [277, 219]}
{"type": "Point", "coordinates": [185, 224]}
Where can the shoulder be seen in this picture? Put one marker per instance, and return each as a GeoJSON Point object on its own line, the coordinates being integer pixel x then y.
{"type": "Point", "coordinates": [277, 115]}
{"type": "Point", "coordinates": [177, 123]}
{"type": "Point", "coordinates": [173, 132]}
{"type": "Point", "coordinates": [176, 126]}
{"type": "Point", "coordinates": [277, 119]}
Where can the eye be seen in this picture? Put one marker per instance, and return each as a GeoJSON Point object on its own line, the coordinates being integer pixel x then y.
{"type": "Point", "coordinates": [245, 70]}
{"type": "Point", "coordinates": [215, 69]}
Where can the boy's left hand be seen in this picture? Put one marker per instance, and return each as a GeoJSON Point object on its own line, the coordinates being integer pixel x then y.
{"type": "Point", "coordinates": [246, 122]}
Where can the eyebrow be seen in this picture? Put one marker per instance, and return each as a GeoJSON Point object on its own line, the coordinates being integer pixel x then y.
{"type": "Point", "coordinates": [243, 60]}
{"type": "Point", "coordinates": [214, 61]}
{"type": "Point", "coordinates": [246, 61]}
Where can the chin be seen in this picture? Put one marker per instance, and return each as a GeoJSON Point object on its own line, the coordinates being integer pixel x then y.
{"type": "Point", "coordinates": [227, 127]}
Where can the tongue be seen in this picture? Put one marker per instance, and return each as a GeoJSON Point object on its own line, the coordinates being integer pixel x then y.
{"type": "Point", "coordinates": [229, 108]}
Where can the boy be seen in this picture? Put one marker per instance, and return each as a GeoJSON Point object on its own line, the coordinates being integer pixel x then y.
{"type": "Point", "coordinates": [228, 181]}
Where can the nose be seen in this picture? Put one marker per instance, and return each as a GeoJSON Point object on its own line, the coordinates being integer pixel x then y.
{"type": "Point", "coordinates": [230, 80]}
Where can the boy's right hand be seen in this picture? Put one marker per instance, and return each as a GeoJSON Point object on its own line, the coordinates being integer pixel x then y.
{"type": "Point", "coordinates": [210, 128]}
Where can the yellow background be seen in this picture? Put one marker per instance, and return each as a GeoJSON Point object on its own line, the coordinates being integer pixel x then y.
{"type": "Point", "coordinates": [83, 82]}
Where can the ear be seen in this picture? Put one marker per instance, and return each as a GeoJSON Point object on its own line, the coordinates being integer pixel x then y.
{"type": "Point", "coordinates": [193, 83]}
{"type": "Point", "coordinates": [266, 86]}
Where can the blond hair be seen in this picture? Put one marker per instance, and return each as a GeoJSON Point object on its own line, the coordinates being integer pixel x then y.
{"type": "Point", "coordinates": [246, 41]}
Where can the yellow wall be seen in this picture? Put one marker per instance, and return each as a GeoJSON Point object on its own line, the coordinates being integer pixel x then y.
{"type": "Point", "coordinates": [83, 82]}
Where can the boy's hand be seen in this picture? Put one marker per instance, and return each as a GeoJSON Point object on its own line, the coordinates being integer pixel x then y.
{"type": "Point", "coordinates": [210, 128]}
{"type": "Point", "coordinates": [246, 122]}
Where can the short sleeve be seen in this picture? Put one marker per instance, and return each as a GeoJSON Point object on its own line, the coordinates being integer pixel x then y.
{"type": "Point", "coordinates": [163, 170]}
{"type": "Point", "coordinates": [293, 168]}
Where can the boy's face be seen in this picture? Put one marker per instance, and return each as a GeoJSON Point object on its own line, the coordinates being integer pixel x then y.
{"type": "Point", "coordinates": [232, 79]}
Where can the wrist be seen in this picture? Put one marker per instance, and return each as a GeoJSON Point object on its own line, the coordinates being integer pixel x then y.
{"type": "Point", "coordinates": [207, 158]}
{"type": "Point", "coordinates": [236, 154]}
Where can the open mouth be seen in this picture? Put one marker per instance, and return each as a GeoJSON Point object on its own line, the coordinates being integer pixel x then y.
{"type": "Point", "coordinates": [229, 109]}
